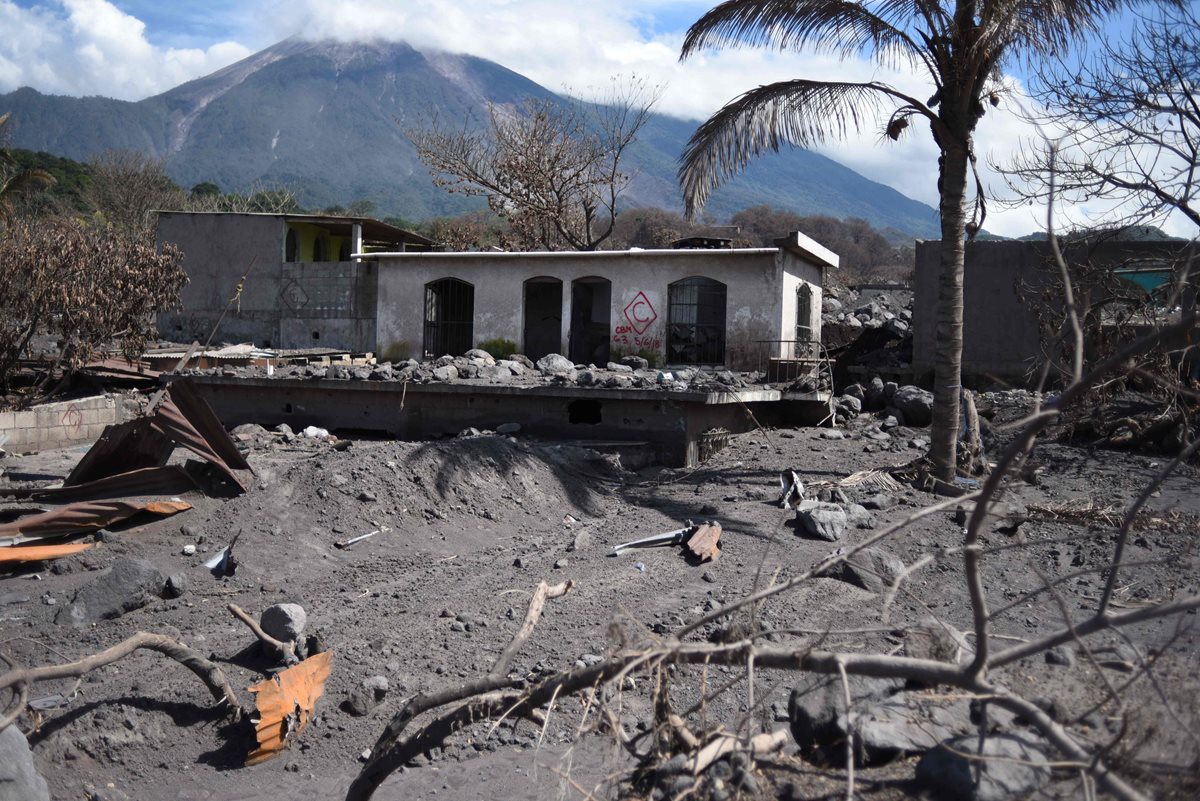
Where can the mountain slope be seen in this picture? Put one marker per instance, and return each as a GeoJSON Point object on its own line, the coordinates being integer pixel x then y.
{"type": "Point", "coordinates": [327, 120]}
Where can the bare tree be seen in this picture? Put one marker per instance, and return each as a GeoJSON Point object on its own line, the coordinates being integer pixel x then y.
{"type": "Point", "coordinates": [90, 284]}
{"type": "Point", "coordinates": [552, 167]}
{"type": "Point", "coordinates": [1124, 127]}
{"type": "Point", "coordinates": [128, 186]}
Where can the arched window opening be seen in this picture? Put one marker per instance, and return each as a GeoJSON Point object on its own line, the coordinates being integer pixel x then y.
{"type": "Point", "coordinates": [321, 247]}
{"type": "Point", "coordinates": [291, 246]}
{"type": "Point", "coordinates": [696, 321]}
{"type": "Point", "coordinates": [804, 316]}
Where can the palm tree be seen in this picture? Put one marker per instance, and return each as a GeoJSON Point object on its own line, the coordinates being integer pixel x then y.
{"type": "Point", "coordinates": [959, 45]}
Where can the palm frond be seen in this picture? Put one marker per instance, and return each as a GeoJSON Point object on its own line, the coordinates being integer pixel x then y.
{"type": "Point", "coordinates": [841, 27]}
{"type": "Point", "coordinates": [1030, 29]}
{"type": "Point", "coordinates": [27, 181]}
{"type": "Point", "coordinates": [800, 113]}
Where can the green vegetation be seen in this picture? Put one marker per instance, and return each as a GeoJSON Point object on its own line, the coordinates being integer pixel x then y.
{"type": "Point", "coordinates": [500, 348]}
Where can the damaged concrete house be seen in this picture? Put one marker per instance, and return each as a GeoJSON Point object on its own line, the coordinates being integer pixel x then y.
{"type": "Point", "coordinates": [359, 284]}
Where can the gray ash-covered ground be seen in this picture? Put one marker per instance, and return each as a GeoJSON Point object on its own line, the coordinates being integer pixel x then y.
{"type": "Point", "coordinates": [474, 523]}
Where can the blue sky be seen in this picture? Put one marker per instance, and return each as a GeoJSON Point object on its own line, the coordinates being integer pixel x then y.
{"type": "Point", "coordinates": [132, 49]}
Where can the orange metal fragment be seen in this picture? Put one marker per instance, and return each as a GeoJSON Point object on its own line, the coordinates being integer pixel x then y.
{"type": "Point", "coordinates": [705, 542]}
{"type": "Point", "coordinates": [38, 553]}
{"type": "Point", "coordinates": [285, 705]}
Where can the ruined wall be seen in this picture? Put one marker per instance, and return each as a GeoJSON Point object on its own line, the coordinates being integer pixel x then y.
{"type": "Point", "coordinates": [1000, 328]}
{"type": "Point", "coordinates": [755, 306]}
{"type": "Point", "coordinates": [60, 425]}
{"type": "Point", "coordinates": [282, 305]}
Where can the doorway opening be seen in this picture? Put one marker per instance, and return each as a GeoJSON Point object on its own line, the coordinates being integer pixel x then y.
{"type": "Point", "coordinates": [591, 320]}
{"type": "Point", "coordinates": [449, 317]}
{"type": "Point", "coordinates": [543, 317]}
{"type": "Point", "coordinates": [696, 321]}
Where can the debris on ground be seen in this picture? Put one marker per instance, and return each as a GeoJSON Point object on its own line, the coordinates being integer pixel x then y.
{"type": "Point", "coordinates": [285, 703]}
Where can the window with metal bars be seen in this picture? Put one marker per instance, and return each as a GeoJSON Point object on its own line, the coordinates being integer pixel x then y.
{"type": "Point", "coordinates": [804, 305]}
{"type": "Point", "coordinates": [696, 321]}
{"type": "Point", "coordinates": [449, 317]}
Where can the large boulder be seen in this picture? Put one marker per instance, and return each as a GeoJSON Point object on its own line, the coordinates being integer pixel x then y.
{"type": "Point", "coordinates": [872, 569]}
{"type": "Point", "coordinates": [912, 723]}
{"type": "Point", "coordinates": [556, 364]}
{"type": "Point", "coordinates": [19, 780]}
{"type": "Point", "coordinates": [1008, 766]}
{"type": "Point", "coordinates": [129, 584]}
{"type": "Point", "coordinates": [817, 702]}
{"type": "Point", "coordinates": [915, 403]}
{"type": "Point", "coordinates": [825, 521]}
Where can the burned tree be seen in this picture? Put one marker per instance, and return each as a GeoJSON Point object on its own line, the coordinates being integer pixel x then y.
{"type": "Point", "coordinates": [553, 168]}
{"type": "Point", "coordinates": [1125, 127]}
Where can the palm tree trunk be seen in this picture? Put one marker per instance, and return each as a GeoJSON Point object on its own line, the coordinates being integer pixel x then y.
{"type": "Point", "coordinates": [947, 371]}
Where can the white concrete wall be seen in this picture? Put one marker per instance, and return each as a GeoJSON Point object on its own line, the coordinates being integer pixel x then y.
{"type": "Point", "coordinates": [59, 425]}
{"type": "Point", "coordinates": [760, 294]}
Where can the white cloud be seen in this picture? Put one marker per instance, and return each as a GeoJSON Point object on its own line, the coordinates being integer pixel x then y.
{"type": "Point", "coordinates": [91, 47]}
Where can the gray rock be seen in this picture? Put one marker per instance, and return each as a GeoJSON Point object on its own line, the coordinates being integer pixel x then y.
{"type": "Point", "coordinates": [933, 639]}
{"type": "Point", "coordinates": [853, 322]}
{"type": "Point", "coordinates": [586, 378]}
{"type": "Point", "coordinates": [482, 355]}
{"type": "Point", "coordinates": [816, 703]}
{"type": "Point", "coordinates": [874, 394]}
{"type": "Point", "coordinates": [363, 699]}
{"type": "Point", "coordinates": [826, 521]}
{"type": "Point", "coordinates": [1009, 767]}
{"type": "Point", "coordinates": [855, 391]}
{"type": "Point", "coordinates": [556, 364]}
{"type": "Point", "coordinates": [915, 404]}
{"type": "Point", "coordinates": [176, 585]}
{"type": "Point", "coordinates": [508, 428]}
{"type": "Point", "coordinates": [514, 367]}
{"type": "Point", "coordinates": [912, 722]}
{"type": "Point", "coordinates": [829, 305]}
{"type": "Point", "coordinates": [465, 370]}
{"type": "Point", "coordinates": [582, 541]}
{"type": "Point", "coordinates": [859, 517]}
{"type": "Point", "coordinates": [635, 362]}
{"type": "Point", "coordinates": [850, 403]}
{"type": "Point", "coordinates": [130, 584]}
{"type": "Point", "coordinates": [889, 391]}
{"type": "Point", "coordinates": [19, 779]}
{"type": "Point", "coordinates": [445, 373]}
{"type": "Point", "coordinates": [618, 368]}
{"type": "Point", "coordinates": [1061, 655]}
{"type": "Point", "coordinates": [284, 622]}
{"type": "Point", "coordinates": [831, 433]}
{"type": "Point", "coordinates": [872, 569]}
{"type": "Point", "coordinates": [880, 501]}
{"type": "Point", "coordinates": [896, 326]}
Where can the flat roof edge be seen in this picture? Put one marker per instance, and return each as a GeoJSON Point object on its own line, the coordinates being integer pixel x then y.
{"type": "Point", "coordinates": [555, 254]}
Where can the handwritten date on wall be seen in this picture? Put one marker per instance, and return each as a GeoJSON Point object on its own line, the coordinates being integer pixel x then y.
{"type": "Point", "coordinates": [639, 316]}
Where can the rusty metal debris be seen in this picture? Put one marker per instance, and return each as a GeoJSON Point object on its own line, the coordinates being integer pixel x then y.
{"type": "Point", "coordinates": [285, 705]}
{"type": "Point", "coordinates": [76, 518]}
{"type": "Point", "coordinates": [41, 553]}
{"type": "Point", "coordinates": [170, 480]}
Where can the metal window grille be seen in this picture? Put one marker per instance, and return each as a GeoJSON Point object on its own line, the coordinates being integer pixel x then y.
{"type": "Point", "coordinates": [804, 302]}
{"type": "Point", "coordinates": [696, 321]}
{"type": "Point", "coordinates": [449, 317]}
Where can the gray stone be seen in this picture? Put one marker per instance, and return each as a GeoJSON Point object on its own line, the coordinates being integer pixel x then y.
{"type": "Point", "coordinates": [130, 584]}
{"type": "Point", "coordinates": [176, 585]}
{"type": "Point", "coordinates": [855, 391]}
{"type": "Point", "coordinates": [829, 305]}
{"type": "Point", "coordinates": [850, 403]}
{"type": "Point", "coordinates": [582, 541]}
{"type": "Point", "coordinates": [831, 433]}
{"type": "Point", "coordinates": [556, 364]}
{"type": "Point", "coordinates": [636, 362]}
{"type": "Point", "coordinates": [874, 394]}
{"type": "Point", "coordinates": [889, 391]}
{"type": "Point", "coordinates": [363, 699]}
{"type": "Point", "coordinates": [896, 326]}
{"type": "Point", "coordinates": [859, 517]}
{"type": "Point", "coordinates": [880, 501]}
{"type": "Point", "coordinates": [445, 373]}
{"type": "Point", "coordinates": [1061, 655]}
{"type": "Point", "coordinates": [933, 639]}
{"type": "Point", "coordinates": [826, 521]}
{"type": "Point", "coordinates": [586, 378]}
{"type": "Point", "coordinates": [465, 370]}
{"type": "Point", "coordinates": [284, 622]}
{"type": "Point", "coordinates": [872, 569]}
{"type": "Point", "coordinates": [508, 428]}
{"type": "Point", "coordinates": [816, 703]}
{"type": "Point", "coordinates": [19, 779]}
{"type": "Point", "coordinates": [908, 723]}
{"type": "Point", "coordinates": [1009, 767]}
{"type": "Point", "coordinates": [483, 355]}
{"type": "Point", "coordinates": [915, 404]}
{"type": "Point", "coordinates": [618, 368]}
{"type": "Point", "coordinates": [514, 367]}
{"type": "Point", "coordinates": [853, 322]}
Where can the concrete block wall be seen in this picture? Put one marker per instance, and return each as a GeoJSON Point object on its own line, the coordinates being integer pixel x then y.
{"type": "Point", "coordinates": [60, 425]}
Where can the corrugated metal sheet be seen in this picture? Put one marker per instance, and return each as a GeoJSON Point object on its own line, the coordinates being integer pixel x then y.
{"type": "Point", "coordinates": [77, 518]}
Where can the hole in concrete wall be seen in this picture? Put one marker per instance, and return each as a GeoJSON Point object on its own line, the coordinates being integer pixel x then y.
{"type": "Point", "coordinates": [584, 412]}
{"type": "Point", "coordinates": [316, 334]}
{"type": "Point", "coordinates": [287, 408]}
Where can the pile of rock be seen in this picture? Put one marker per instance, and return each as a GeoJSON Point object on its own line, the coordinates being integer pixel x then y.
{"type": "Point", "coordinates": [891, 311]}
{"type": "Point", "coordinates": [896, 405]}
{"type": "Point", "coordinates": [479, 365]}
